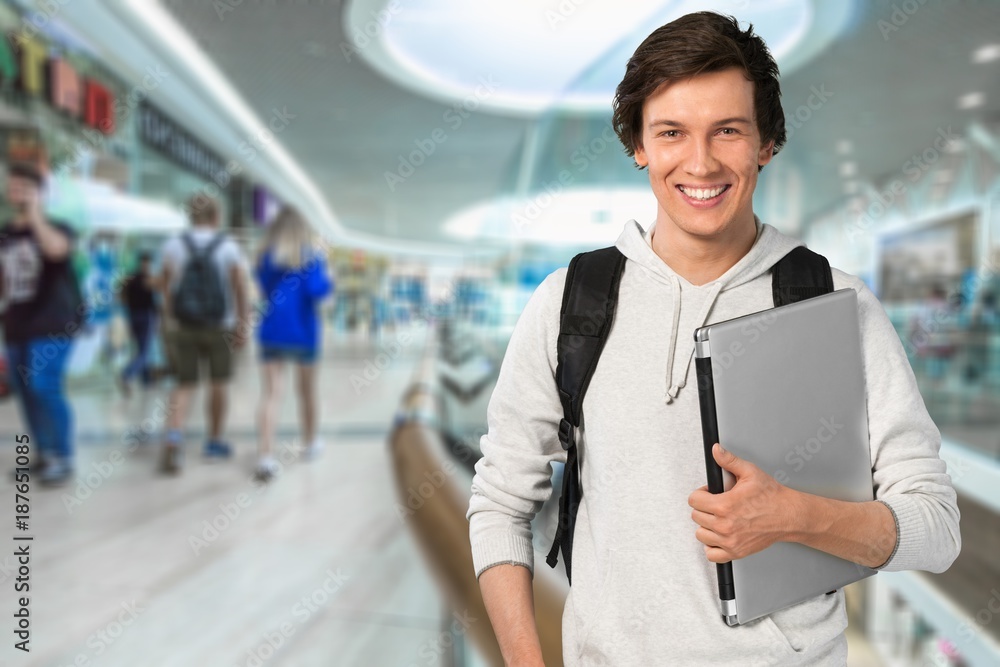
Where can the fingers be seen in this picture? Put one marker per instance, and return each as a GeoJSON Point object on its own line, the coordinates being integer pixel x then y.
{"type": "Point", "coordinates": [703, 519]}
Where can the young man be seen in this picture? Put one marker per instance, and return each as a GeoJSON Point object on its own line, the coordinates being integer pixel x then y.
{"type": "Point", "coordinates": [138, 294]}
{"type": "Point", "coordinates": [209, 339]}
{"type": "Point", "coordinates": [43, 312]}
{"type": "Point", "coordinates": [699, 108]}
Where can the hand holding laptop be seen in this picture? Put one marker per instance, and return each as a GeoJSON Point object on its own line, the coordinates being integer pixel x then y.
{"type": "Point", "coordinates": [749, 517]}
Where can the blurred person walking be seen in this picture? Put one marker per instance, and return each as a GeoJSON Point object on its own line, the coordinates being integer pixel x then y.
{"type": "Point", "coordinates": [138, 295]}
{"type": "Point", "coordinates": [292, 274]}
{"type": "Point", "coordinates": [44, 309]}
{"type": "Point", "coordinates": [203, 284]}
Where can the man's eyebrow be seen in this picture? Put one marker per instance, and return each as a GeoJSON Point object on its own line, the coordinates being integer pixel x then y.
{"type": "Point", "coordinates": [725, 121]}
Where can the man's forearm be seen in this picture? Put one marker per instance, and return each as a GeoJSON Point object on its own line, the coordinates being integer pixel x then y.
{"type": "Point", "coordinates": [508, 596]}
{"type": "Point", "coordinates": [52, 242]}
{"type": "Point", "coordinates": [863, 533]}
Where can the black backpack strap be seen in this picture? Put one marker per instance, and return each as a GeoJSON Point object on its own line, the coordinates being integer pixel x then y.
{"type": "Point", "coordinates": [588, 310]}
{"type": "Point", "coordinates": [216, 241]}
{"type": "Point", "coordinates": [801, 274]}
{"type": "Point", "coordinates": [202, 253]}
{"type": "Point", "coordinates": [188, 240]}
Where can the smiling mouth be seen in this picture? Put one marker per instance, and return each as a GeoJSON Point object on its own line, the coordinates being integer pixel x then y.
{"type": "Point", "coordinates": [703, 194]}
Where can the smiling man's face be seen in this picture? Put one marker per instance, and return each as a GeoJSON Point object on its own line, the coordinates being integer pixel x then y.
{"type": "Point", "coordinates": [702, 148]}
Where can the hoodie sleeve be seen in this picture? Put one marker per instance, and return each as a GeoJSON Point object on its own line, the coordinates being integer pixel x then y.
{"type": "Point", "coordinates": [909, 476]}
{"type": "Point", "coordinates": [513, 477]}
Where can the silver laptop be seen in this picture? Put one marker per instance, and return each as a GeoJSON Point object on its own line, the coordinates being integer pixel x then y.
{"type": "Point", "coordinates": [784, 388]}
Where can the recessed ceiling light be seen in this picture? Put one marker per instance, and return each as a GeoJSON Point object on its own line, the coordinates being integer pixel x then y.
{"type": "Point", "coordinates": [972, 100]}
{"type": "Point", "coordinates": [848, 169]}
{"type": "Point", "coordinates": [985, 54]}
{"type": "Point", "coordinates": [844, 146]}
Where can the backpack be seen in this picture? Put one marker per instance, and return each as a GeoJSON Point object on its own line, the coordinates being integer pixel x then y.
{"type": "Point", "coordinates": [588, 310]}
{"type": "Point", "coordinates": [200, 296]}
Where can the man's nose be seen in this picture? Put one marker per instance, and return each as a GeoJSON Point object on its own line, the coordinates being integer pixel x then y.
{"type": "Point", "coordinates": [700, 159]}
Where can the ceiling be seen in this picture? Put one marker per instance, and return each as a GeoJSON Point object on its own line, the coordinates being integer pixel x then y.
{"type": "Point", "coordinates": [888, 93]}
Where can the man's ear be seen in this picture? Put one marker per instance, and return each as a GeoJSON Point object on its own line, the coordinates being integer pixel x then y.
{"type": "Point", "coordinates": [641, 158]}
{"type": "Point", "coordinates": [765, 153]}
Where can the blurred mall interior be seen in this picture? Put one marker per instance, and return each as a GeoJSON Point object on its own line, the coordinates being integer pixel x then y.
{"type": "Point", "coordinates": [450, 155]}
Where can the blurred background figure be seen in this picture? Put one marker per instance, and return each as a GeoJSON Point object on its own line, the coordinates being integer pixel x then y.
{"type": "Point", "coordinates": [138, 295]}
{"type": "Point", "coordinates": [43, 312]}
{"type": "Point", "coordinates": [292, 275]}
{"type": "Point", "coordinates": [204, 294]}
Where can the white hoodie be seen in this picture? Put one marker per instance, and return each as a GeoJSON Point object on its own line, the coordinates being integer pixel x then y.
{"type": "Point", "coordinates": [643, 592]}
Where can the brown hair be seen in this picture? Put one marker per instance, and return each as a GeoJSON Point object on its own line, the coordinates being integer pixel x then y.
{"type": "Point", "coordinates": [202, 209]}
{"type": "Point", "coordinates": [696, 44]}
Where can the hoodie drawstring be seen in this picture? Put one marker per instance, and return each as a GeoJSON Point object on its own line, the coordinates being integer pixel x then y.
{"type": "Point", "coordinates": [675, 287]}
{"type": "Point", "coordinates": [676, 385]}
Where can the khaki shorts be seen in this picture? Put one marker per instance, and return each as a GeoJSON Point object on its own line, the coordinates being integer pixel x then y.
{"type": "Point", "coordinates": [191, 345]}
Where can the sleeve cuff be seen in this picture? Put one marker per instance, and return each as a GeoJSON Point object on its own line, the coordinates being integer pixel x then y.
{"type": "Point", "coordinates": [895, 547]}
{"type": "Point", "coordinates": [500, 549]}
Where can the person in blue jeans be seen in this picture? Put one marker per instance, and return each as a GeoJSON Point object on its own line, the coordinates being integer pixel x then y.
{"type": "Point", "coordinates": [292, 274]}
{"type": "Point", "coordinates": [139, 297]}
{"type": "Point", "coordinates": [43, 310]}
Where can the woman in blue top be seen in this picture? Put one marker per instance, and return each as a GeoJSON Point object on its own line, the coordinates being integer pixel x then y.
{"type": "Point", "coordinates": [292, 274]}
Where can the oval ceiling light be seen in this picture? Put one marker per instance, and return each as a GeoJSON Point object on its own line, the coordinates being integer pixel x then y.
{"type": "Point", "coordinates": [525, 57]}
{"type": "Point", "coordinates": [574, 217]}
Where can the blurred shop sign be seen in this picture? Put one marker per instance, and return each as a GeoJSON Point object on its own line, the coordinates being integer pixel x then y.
{"type": "Point", "coordinates": [165, 135]}
{"type": "Point", "coordinates": [25, 63]}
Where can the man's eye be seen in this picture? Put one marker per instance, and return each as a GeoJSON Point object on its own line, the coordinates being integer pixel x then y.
{"type": "Point", "coordinates": [728, 130]}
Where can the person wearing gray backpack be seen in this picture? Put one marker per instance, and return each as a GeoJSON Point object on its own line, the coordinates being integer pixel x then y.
{"type": "Point", "coordinates": [204, 297]}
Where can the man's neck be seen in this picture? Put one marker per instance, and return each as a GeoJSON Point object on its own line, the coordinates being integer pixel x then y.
{"type": "Point", "coordinates": [698, 260]}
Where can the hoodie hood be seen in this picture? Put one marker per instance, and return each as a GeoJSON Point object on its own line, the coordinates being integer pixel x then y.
{"type": "Point", "coordinates": [769, 247]}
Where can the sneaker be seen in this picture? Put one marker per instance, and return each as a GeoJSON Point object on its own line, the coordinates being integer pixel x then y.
{"type": "Point", "coordinates": [217, 449]}
{"type": "Point", "coordinates": [171, 458]}
{"type": "Point", "coordinates": [56, 473]}
{"type": "Point", "coordinates": [267, 469]}
{"type": "Point", "coordinates": [124, 387]}
{"type": "Point", "coordinates": [312, 450]}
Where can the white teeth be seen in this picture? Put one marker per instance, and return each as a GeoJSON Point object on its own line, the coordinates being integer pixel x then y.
{"type": "Point", "coordinates": [703, 194]}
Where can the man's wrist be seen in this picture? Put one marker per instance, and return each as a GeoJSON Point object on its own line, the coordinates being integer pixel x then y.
{"type": "Point", "coordinates": [806, 516]}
